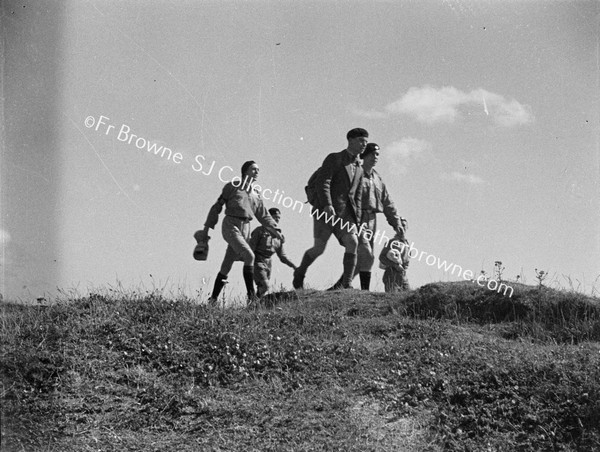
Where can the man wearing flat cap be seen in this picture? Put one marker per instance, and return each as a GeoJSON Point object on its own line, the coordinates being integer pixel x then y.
{"type": "Point", "coordinates": [338, 197]}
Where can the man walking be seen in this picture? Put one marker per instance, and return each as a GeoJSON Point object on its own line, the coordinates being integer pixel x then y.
{"type": "Point", "coordinates": [375, 199]}
{"type": "Point", "coordinates": [242, 203]}
{"type": "Point", "coordinates": [337, 206]}
{"type": "Point", "coordinates": [264, 246]}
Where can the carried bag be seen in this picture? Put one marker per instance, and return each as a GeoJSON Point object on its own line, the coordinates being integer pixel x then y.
{"type": "Point", "coordinates": [311, 188]}
{"type": "Point", "coordinates": [201, 249]}
{"type": "Point", "coordinates": [311, 185]}
{"type": "Point", "coordinates": [395, 256]}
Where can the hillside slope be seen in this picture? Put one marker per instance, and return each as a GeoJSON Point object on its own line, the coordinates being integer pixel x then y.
{"type": "Point", "coordinates": [446, 367]}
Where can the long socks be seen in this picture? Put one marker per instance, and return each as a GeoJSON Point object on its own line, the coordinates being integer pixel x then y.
{"type": "Point", "coordinates": [248, 273]}
{"type": "Point", "coordinates": [349, 266]}
{"type": "Point", "coordinates": [365, 280]}
{"type": "Point", "coordinates": [219, 283]}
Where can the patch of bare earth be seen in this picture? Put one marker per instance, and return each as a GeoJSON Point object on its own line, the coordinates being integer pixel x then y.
{"type": "Point", "coordinates": [389, 432]}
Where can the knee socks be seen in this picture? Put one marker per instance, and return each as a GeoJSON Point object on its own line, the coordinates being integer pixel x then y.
{"type": "Point", "coordinates": [349, 266]}
{"type": "Point", "coordinates": [365, 280]}
{"type": "Point", "coordinates": [219, 283]}
{"type": "Point", "coordinates": [248, 273]}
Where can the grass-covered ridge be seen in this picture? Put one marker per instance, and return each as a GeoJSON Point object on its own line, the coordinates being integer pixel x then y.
{"type": "Point", "coordinates": [446, 367]}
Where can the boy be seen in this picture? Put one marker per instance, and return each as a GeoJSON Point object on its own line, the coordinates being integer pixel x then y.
{"type": "Point", "coordinates": [394, 260]}
{"type": "Point", "coordinates": [264, 246]}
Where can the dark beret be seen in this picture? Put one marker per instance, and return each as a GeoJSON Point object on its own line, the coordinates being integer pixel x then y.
{"type": "Point", "coordinates": [371, 147]}
{"type": "Point", "coordinates": [356, 133]}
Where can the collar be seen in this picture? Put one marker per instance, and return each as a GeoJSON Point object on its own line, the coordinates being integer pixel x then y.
{"type": "Point", "coordinates": [353, 158]}
{"type": "Point", "coordinates": [373, 172]}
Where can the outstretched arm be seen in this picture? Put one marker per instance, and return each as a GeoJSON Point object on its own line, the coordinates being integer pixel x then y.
{"type": "Point", "coordinates": [265, 218]}
{"type": "Point", "coordinates": [284, 259]}
{"type": "Point", "coordinates": [215, 210]}
{"type": "Point", "coordinates": [390, 211]}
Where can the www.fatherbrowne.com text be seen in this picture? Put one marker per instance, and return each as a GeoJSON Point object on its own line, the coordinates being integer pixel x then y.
{"type": "Point", "coordinates": [125, 134]}
{"type": "Point", "coordinates": [378, 236]}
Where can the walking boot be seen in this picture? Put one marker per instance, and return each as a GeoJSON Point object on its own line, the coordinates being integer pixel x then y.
{"type": "Point", "coordinates": [338, 284]}
{"type": "Point", "coordinates": [300, 272]}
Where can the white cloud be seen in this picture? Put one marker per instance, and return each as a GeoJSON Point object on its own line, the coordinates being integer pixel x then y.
{"type": "Point", "coordinates": [466, 178]}
{"type": "Point", "coordinates": [408, 147]}
{"type": "Point", "coordinates": [430, 105]}
{"type": "Point", "coordinates": [401, 153]}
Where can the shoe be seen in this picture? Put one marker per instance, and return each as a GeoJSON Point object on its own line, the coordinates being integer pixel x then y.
{"type": "Point", "coordinates": [337, 286]}
{"type": "Point", "coordinates": [212, 301]}
{"type": "Point", "coordinates": [252, 301]}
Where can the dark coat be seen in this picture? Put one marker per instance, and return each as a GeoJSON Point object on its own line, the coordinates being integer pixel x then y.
{"type": "Point", "coordinates": [336, 187]}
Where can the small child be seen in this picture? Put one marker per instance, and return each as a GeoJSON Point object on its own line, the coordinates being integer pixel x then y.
{"type": "Point", "coordinates": [394, 260]}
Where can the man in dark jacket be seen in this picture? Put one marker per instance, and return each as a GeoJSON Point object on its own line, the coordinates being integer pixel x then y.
{"type": "Point", "coordinates": [375, 199]}
{"type": "Point", "coordinates": [337, 206]}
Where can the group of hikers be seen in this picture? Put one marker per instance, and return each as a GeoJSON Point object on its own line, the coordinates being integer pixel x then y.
{"type": "Point", "coordinates": [345, 187]}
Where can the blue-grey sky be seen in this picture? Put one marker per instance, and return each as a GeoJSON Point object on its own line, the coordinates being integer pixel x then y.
{"type": "Point", "coordinates": [487, 114]}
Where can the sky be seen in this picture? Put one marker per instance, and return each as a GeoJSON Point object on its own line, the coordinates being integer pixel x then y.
{"type": "Point", "coordinates": [122, 121]}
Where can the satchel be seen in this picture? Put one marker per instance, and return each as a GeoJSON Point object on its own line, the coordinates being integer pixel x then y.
{"type": "Point", "coordinates": [201, 249]}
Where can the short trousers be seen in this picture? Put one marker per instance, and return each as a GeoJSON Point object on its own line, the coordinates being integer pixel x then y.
{"type": "Point", "coordinates": [236, 233]}
{"type": "Point", "coordinates": [323, 230]}
{"type": "Point", "coordinates": [262, 272]}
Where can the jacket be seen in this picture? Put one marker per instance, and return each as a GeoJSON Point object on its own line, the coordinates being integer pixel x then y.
{"type": "Point", "coordinates": [240, 204]}
{"type": "Point", "coordinates": [264, 246]}
{"type": "Point", "coordinates": [336, 187]}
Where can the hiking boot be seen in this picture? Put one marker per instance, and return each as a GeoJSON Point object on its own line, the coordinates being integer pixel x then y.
{"type": "Point", "coordinates": [252, 301]}
{"type": "Point", "coordinates": [337, 286]}
{"type": "Point", "coordinates": [212, 302]}
{"type": "Point", "coordinates": [300, 272]}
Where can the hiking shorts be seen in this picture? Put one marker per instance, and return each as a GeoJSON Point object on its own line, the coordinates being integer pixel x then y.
{"type": "Point", "coordinates": [236, 232]}
{"type": "Point", "coordinates": [230, 257]}
{"type": "Point", "coordinates": [262, 274]}
{"type": "Point", "coordinates": [323, 230]}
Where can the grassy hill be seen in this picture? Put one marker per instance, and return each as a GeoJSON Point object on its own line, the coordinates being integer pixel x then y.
{"type": "Point", "coordinates": [450, 366]}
